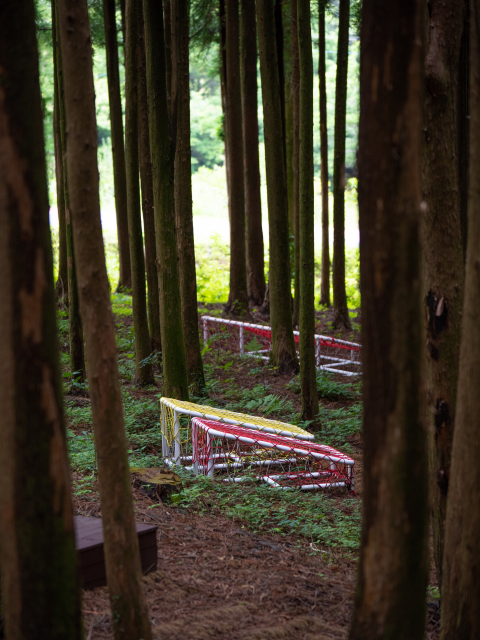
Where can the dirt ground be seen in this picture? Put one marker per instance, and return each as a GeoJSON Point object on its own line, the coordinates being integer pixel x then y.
{"type": "Point", "coordinates": [218, 580]}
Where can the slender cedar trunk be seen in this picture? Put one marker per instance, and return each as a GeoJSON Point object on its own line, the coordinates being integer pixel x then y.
{"type": "Point", "coordinates": [463, 126]}
{"type": "Point", "coordinates": [143, 371]}
{"type": "Point", "coordinates": [122, 556]}
{"type": "Point", "coordinates": [325, 269]}
{"type": "Point", "coordinates": [281, 71]}
{"type": "Point", "coordinates": [237, 304]}
{"type": "Point", "coordinates": [442, 250]}
{"type": "Point", "coordinates": [341, 318]}
{"type": "Point", "coordinates": [287, 66]}
{"type": "Point", "coordinates": [223, 90]}
{"type": "Point", "coordinates": [40, 590]}
{"type": "Point", "coordinates": [296, 160]}
{"type": "Point", "coordinates": [146, 179]}
{"type": "Point", "coordinates": [393, 569]}
{"type": "Point", "coordinates": [61, 286]}
{"type": "Point", "coordinates": [162, 147]}
{"type": "Point", "coordinates": [183, 199]}
{"type": "Point", "coordinates": [116, 131]}
{"type": "Point", "coordinates": [308, 379]}
{"type": "Point", "coordinates": [461, 583]}
{"type": "Point", "coordinates": [124, 30]}
{"type": "Point", "coordinates": [283, 346]}
{"type": "Point", "coordinates": [75, 330]}
{"type": "Point", "coordinates": [253, 204]}
{"type": "Point", "coordinates": [167, 13]}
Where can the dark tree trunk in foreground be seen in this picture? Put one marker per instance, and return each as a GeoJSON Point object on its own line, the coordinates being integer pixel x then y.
{"type": "Point", "coordinates": [461, 577]}
{"type": "Point", "coordinates": [61, 286]}
{"type": "Point", "coordinates": [283, 346]}
{"type": "Point", "coordinates": [463, 120]}
{"type": "Point", "coordinates": [75, 330]}
{"type": "Point", "coordinates": [162, 147]}
{"type": "Point", "coordinates": [183, 200]}
{"type": "Point", "coordinates": [116, 131]}
{"type": "Point", "coordinates": [146, 178]}
{"type": "Point", "coordinates": [122, 557]}
{"type": "Point", "coordinates": [40, 590]}
{"type": "Point", "coordinates": [287, 68]}
{"type": "Point", "coordinates": [322, 81]}
{"type": "Point", "coordinates": [253, 203]}
{"type": "Point", "coordinates": [143, 371]}
{"type": "Point", "coordinates": [296, 160]}
{"type": "Point", "coordinates": [442, 250]}
{"type": "Point", "coordinates": [281, 70]}
{"type": "Point", "coordinates": [341, 317]}
{"type": "Point", "coordinates": [237, 304]}
{"type": "Point", "coordinates": [393, 570]}
{"type": "Point", "coordinates": [308, 379]}
{"type": "Point", "coordinates": [223, 88]}
{"type": "Point", "coordinates": [167, 12]}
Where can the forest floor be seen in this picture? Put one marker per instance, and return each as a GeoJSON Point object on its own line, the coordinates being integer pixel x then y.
{"type": "Point", "coordinates": [236, 561]}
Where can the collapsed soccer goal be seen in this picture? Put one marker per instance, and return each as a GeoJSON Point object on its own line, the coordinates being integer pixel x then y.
{"type": "Point", "coordinates": [236, 453]}
{"type": "Point", "coordinates": [176, 425]}
{"type": "Point", "coordinates": [244, 338]}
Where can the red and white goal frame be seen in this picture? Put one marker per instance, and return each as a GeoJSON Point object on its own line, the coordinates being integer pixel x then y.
{"type": "Point", "coordinates": [336, 356]}
{"type": "Point", "coordinates": [236, 453]}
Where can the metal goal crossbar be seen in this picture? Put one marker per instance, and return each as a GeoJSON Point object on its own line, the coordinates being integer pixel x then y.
{"type": "Point", "coordinates": [280, 461]}
{"type": "Point", "coordinates": [176, 418]}
{"type": "Point", "coordinates": [331, 354]}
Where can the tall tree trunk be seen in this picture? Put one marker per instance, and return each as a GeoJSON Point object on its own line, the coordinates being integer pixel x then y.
{"type": "Point", "coordinates": [341, 317]}
{"type": "Point", "coordinates": [124, 29]}
{"type": "Point", "coordinates": [283, 346]}
{"type": "Point", "coordinates": [308, 378]}
{"type": "Point", "coordinates": [116, 131]}
{"type": "Point", "coordinates": [223, 89]}
{"type": "Point", "coordinates": [75, 330]}
{"type": "Point", "coordinates": [146, 178]}
{"type": "Point", "coordinates": [392, 578]}
{"type": "Point", "coordinates": [167, 13]}
{"type": "Point", "coordinates": [322, 81]}
{"type": "Point", "coordinates": [237, 304]}
{"type": "Point", "coordinates": [143, 371]}
{"type": "Point", "coordinates": [253, 203]}
{"type": "Point", "coordinates": [183, 199]}
{"type": "Point", "coordinates": [296, 160]}
{"type": "Point", "coordinates": [464, 123]}
{"type": "Point", "coordinates": [122, 557]}
{"type": "Point", "coordinates": [281, 71]}
{"type": "Point", "coordinates": [442, 250]}
{"type": "Point", "coordinates": [162, 148]}
{"type": "Point", "coordinates": [287, 67]}
{"type": "Point", "coordinates": [461, 584]}
{"type": "Point", "coordinates": [40, 590]}
{"type": "Point", "coordinates": [61, 286]}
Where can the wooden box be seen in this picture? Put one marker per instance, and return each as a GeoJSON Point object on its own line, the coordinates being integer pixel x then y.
{"type": "Point", "coordinates": [89, 545]}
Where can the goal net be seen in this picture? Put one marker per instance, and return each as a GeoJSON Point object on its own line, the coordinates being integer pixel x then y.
{"type": "Point", "coordinates": [236, 453]}
{"type": "Point", "coordinates": [336, 356]}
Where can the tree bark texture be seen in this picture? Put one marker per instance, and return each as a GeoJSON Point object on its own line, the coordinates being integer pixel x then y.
{"type": "Point", "coordinates": [461, 584]}
{"type": "Point", "coordinates": [341, 317]}
{"type": "Point", "coordinates": [223, 89]}
{"type": "Point", "coordinates": [146, 179]}
{"type": "Point", "coordinates": [143, 371]}
{"type": "Point", "coordinates": [237, 304]}
{"type": "Point", "coordinates": [253, 203]}
{"type": "Point", "coordinates": [442, 250]}
{"type": "Point", "coordinates": [393, 569]}
{"type": "Point", "coordinates": [308, 378]}
{"type": "Point", "coordinates": [463, 120]}
{"type": "Point", "coordinates": [162, 148]}
{"type": "Point", "coordinates": [122, 557]}
{"type": "Point", "coordinates": [61, 286]}
{"type": "Point", "coordinates": [296, 160]}
{"type": "Point", "coordinates": [281, 71]}
{"type": "Point", "coordinates": [183, 200]}
{"type": "Point", "coordinates": [40, 589]}
{"type": "Point", "coordinates": [167, 13]}
{"type": "Point", "coordinates": [75, 329]}
{"type": "Point", "coordinates": [116, 132]}
{"type": "Point", "coordinates": [322, 81]}
{"type": "Point", "coordinates": [283, 346]}
{"type": "Point", "coordinates": [287, 66]}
